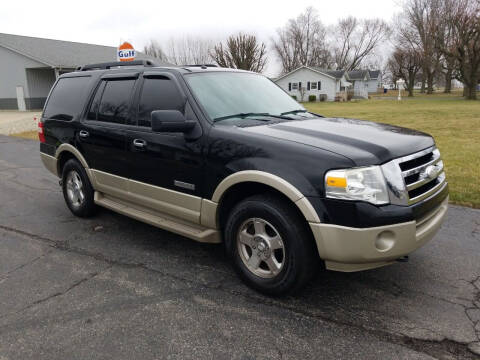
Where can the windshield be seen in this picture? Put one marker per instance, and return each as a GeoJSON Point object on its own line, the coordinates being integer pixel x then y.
{"type": "Point", "coordinates": [235, 94]}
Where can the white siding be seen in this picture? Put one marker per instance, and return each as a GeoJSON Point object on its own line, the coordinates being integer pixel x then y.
{"type": "Point", "coordinates": [329, 85]}
{"type": "Point", "coordinates": [360, 88]}
{"type": "Point", "coordinates": [373, 85]}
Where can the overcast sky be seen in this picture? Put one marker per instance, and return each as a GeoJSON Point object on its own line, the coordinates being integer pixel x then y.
{"type": "Point", "coordinates": [109, 22]}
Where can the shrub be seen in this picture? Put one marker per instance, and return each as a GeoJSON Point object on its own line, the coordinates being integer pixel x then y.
{"type": "Point", "coordinates": [312, 98]}
{"type": "Point", "coordinates": [323, 97]}
{"type": "Point", "coordinates": [294, 97]}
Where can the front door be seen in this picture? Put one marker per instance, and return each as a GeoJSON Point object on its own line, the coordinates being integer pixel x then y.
{"type": "Point", "coordinates": [165, 168]}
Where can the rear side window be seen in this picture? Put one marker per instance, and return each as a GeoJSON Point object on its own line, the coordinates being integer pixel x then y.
{"type": "Point", "coordinates": [67, 98]}
{"type": "Point", "coordinates": [158, 94]}
{"type": "Point", "coordinates": [112, 101]}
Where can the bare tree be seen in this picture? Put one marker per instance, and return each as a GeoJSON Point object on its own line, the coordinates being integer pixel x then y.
{"type": "Point", "coordinates": [190, 50]}
{"type": "Point", "coordinates": [302, 41]}
{"type": "Point", "coordinates": [155, 50]}
{"type": "Point", "coordinates": [356, 40]}
{"type": "Point", "coordinates": [241, 51]}
{"type": "Point", "coordinates": [462, 22]}
{"type": "Point", "coordinates": [423, 19]}
{"type": "Point", "coordinates": [405, 63]}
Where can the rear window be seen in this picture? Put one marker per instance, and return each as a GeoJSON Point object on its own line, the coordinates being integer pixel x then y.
{"type": "Point", "coordinates": [67, 98]}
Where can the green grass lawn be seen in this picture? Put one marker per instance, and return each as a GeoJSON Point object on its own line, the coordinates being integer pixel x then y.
{"type": "Point", "coordinates": [452, 121]}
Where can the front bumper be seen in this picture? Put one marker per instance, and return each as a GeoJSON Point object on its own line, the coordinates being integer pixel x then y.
{"type": "Point", "coordinates": [353, 249]}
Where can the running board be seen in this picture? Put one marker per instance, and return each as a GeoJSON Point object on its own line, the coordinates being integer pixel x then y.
{"type": "Point", "coordinates": [165, 222]}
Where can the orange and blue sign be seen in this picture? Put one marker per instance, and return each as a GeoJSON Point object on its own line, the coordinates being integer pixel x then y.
{"type": "Point", "coordinates": [126, 52]}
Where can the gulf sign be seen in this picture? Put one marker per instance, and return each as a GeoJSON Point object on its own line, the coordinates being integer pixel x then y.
{"type": "Point", "coordinates": [125, 52]}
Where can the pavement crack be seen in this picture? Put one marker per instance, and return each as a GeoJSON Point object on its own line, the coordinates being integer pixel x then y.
{"type": "Point", "coordinates": [8, 273]}
{"type": "Point", "coordinates": [436, 348]}
{"type": "Point", "coordinates": [30, 235]}
{"type": "Point", "coordinates": [60, 293]}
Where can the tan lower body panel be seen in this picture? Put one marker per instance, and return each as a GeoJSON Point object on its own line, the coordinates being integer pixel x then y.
{"type": "Point", "coordinates": [354, 249]}
{"type": "Point", "coordinates": [160, 220]}
{"type": "Point", "coordinates": [49, 162]}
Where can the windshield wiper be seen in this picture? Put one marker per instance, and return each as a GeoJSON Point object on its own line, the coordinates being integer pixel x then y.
{"type": "Point", "coordinates": [244, 115]}
{"type": "Point", "coordinates": [294, 112]}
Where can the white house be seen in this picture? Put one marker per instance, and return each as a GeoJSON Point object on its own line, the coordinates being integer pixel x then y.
{"type": "Point", "coordinates": [375, 81]}
{"type": "Point", "coordinates": [308, 81]}
{"type": "Point", "coordinates": [360, 80]}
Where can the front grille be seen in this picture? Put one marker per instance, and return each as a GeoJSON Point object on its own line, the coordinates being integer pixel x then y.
{"type": "Point", "coordinates": [423, 174]}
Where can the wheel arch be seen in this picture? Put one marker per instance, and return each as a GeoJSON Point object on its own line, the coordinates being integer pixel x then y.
{"type": "Point", "coordinates": [65, 152]}
{"type": "Point", "coordinates": [248, 182]}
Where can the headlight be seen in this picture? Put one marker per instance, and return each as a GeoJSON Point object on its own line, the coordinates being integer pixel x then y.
{"type": "Point", "coordinates": [366, 184]}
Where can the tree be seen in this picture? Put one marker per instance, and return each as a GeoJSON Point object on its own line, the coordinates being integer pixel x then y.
{"type": "Point", "coordinates": [241, 51]}
{"type": "Point", "coordinates": [302, 41]}
{"type": "Point", "coordinates": [190, 50]}
{"type": "Point", "coordinates": [155, 50]}
{"type": "Point", "coordinates": [423, 18]}
{"type": "Point", "coordinates": [462, 21]}
{"type": "Point", "coordinates": [405, 63]}
{"type": "Point", "coordinates": [356, 40]}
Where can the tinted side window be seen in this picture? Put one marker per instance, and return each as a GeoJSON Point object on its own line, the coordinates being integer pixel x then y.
{"type": "Point", "coordinates": [93, 111]}
{"type": "Point", "coordinates": [115, 101]}
{"type": "Point", "coordinates": [67, 98]}
{"type": "Point", "coordinates": [158, 94]}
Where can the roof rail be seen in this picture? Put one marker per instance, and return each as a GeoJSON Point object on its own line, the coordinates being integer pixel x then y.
{"type": "Point", "coordinates": [200, 65]}
{"type": "Point", "coordinates": [108, 65]}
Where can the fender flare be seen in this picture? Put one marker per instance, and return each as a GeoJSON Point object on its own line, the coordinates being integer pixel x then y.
{"type": "Point", "coordinates": [78, 155]}
{"type": "Point", "coordinates": [211, 207]}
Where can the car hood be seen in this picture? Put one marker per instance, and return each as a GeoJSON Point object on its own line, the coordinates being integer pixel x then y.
{"type": "Point", "coordinates": [364, 142]}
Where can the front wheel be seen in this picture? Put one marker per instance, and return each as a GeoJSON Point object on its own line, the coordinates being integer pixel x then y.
{"type": "Point", "coordinates": [270, 245]}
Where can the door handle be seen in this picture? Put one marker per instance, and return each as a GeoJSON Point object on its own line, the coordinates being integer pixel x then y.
{"type": "Point", "coordinates": [83, 134]}
{"type": "Point", "coordinates": [139, 143]}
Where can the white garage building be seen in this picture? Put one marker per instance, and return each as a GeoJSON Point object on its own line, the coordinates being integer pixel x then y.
{"type": "Point", "coordinates": [29, 66]}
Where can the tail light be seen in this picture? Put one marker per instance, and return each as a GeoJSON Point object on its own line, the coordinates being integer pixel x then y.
{"type": "Point", "coordinates": [41, 133]}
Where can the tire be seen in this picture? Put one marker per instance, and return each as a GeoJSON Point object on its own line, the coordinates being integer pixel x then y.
{"type": "Point", "coordinates": [265, 229]}
{"type": "Point", "coordinates": [77, 189]}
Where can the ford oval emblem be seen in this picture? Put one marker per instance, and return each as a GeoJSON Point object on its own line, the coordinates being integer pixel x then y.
{"type": "Point", "coordinates": [429, 172]}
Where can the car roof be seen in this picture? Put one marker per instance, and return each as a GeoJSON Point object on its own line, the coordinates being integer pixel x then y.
{"type": "Point", "coordinates": [118, 67]}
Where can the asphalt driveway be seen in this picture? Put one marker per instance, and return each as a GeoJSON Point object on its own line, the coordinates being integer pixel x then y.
{"type": "Point", "coordinates": [113, 288]}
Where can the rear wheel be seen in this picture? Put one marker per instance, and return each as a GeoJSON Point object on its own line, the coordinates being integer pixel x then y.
{"type": "Point", "coordinates": [270, 245]}
{"type": "Point", "coordinates": [77, 189]}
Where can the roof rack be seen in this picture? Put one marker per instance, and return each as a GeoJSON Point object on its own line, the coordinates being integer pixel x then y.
{"type": "Point", "coordinates": [108, 65]}
{"type": "Point", "coordinates": [200, 65]}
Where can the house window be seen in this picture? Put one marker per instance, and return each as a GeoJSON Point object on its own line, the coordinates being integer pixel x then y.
{"type": "Point", "coordinates": [313, 85]}
{"type": "Point", "coordinates": [294, 86]}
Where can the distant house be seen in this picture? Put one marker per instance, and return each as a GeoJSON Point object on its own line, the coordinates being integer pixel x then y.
{"type": "Point", "coordinates": [308, 81]}
{"type": "Point", "coordinates": [375, 81]}
{"type": "Point", "coordinates": [29, 66]}
{"type": "Point", "coordinates": [360, 80]}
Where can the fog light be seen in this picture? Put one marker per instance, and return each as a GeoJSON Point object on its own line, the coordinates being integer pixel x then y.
{"type": "Point", "coordinates": [385, 241]}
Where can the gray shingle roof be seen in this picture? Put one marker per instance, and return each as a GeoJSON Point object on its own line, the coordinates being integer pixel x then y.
{"type": "Point", "coordinates": [337, 74]}
{"type": "Point", "coordinates": [357, 74]}
{"type": "Point", "coordinates": [65, 54]}
{"type": "Point", "coordinates": [374, 74]}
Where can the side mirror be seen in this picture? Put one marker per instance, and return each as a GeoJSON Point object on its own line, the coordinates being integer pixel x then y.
{"type": "Point", "coordinates": [171, 121]}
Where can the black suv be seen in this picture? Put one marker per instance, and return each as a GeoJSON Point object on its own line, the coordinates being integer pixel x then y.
{"type": "Point", "coordinates": [222, 155]}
